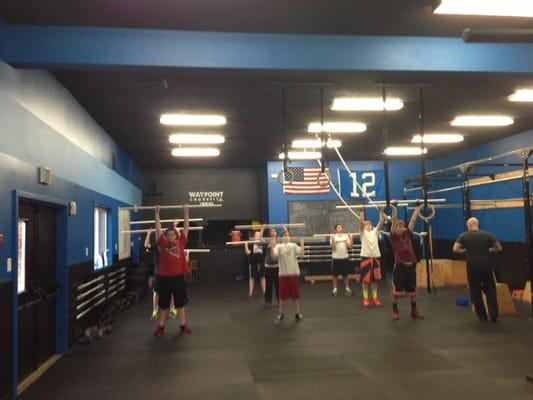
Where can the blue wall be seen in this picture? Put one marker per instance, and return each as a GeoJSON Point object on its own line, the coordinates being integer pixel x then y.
{"type": "Point", "coordinates": [278, 201]}
{"type": "Point", "coordinates": [506, 224]}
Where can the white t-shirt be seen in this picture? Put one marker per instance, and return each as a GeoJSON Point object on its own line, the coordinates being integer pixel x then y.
{"type": "Point", "coordinates": [288, 263]}
{"type": "Point", "coordinates": [257, 249]}
{"type": "Point", "coordinates": [340, 252]}
{"type": "Point", "coordinates": [370, 243]}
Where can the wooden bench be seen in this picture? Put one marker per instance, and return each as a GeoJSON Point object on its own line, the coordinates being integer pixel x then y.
{"type": "Point", "coordinates": [325, 278]}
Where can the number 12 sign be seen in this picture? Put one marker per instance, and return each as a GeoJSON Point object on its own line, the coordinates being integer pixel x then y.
{"type": "Point", "coordinates": [352, 186]}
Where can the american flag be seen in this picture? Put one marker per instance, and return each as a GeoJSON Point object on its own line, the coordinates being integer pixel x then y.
{"type": "Point", "coordinates": [305, 181]}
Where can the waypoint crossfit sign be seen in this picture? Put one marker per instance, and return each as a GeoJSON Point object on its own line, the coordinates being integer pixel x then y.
{"type": "Point", "coordinates": [206, 198]}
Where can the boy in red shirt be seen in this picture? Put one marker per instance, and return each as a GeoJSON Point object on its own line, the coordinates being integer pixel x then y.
{"type": "Point", "coordinates": [404, 273]}
{"type": "Point", "coordinates": [173, 267]}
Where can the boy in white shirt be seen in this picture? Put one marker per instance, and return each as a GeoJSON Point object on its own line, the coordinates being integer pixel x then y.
{"type": "Point", "coordinates": [340, 243]}
{"type": "Point", "coordinates": [287, 254]}
{"type": "Point", "coordinates": [370, 255]}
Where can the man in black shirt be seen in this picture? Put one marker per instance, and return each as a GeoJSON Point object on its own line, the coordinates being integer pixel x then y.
{"type": "Point", "coordinates": [478, 245]}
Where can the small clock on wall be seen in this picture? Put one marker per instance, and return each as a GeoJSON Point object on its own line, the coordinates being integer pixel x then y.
{"type": "Point", "coordinates": [45, 176]}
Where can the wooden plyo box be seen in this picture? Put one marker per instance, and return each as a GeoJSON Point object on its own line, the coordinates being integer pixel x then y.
{"type": "Point", "coordinates": [505, 300]}
{"type": "Point", "coordinates": [444, 273]}
{"type": "Point", "coordinates": [526, 297]}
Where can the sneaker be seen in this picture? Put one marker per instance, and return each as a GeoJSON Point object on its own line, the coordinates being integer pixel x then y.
{"type": "Point", "coordinates": [279, 318]}
{"type": "Point", "coordinates": [415, 314]}
{"type": "Point", "coordinates": [493, 319]}
{"type": "Point", "coordinates": [366, 302]}
{"type": "Point", "coordinates": [298, 317]}
{"type": "Point", "coordinates": [347, 292]}
{"type": "Point", "coordinates": [376, 302]}
{"type": "Point", "coordinates": [155, 314]}
{"type": "Point", "coordinates": [335, 292]}
{"type": "Point", "coordinates": [173, 313]}
{"type": "Point", "coordinates": [395, 315]}
{"type": "Point", "coordinates": [185, 329]}
{"type": "Point", "coordinates": [159, 331]}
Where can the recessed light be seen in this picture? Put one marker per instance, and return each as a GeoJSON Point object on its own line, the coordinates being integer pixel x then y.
{"type": "Point", "coordinates": [193, 138]}
{"type": "Point", "coordinates": [302, 155]}
{"type": "Point", "coordinates": [315, 143]}
{"type": "Point", "coordinates": [192, 119]}
{"type": "Point", "coordinates": [404, 151]}
{"type": "Point", "coordinates": [482, 120]}
{"type": "Point", "coordinates": [337, 127]}
{"type": "Point", "coordinates": [196, 152]}
{"type": "Point", "coordinates": [495, 8]}
{"type": "Point", "coordinates": [366, 104]}
{"type": "Point", "coordinates": [438, 138]}
{"type": "Point", "coordinates": [522, 95]}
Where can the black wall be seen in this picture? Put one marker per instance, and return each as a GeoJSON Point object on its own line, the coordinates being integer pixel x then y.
{"type": "Point", "coordinates": [6, 370]}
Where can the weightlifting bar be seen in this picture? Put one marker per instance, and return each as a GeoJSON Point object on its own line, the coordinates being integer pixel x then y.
{"type": "Point", "coordinates": [192, 228]}
{"type": "Point", "coordinates": [98, 279]}
{"type": "Point", "coordinates": [166, 220]}
{"type": "Point", "coordinates": [308, 239]}
{"type": "Point", "coordinates": [197, 251]}
{"type": "Point", "coordinates": [239, 227]}
{"type": "Point", "coordinates": [331, 234]}
{"type": "Point", "coordinates": [137, 208]}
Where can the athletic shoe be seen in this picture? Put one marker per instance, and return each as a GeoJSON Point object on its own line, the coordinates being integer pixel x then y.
{"type": "Point", "coordinates": [155, 314]}
{"type": "Point", "coordinates": [415, 314]}
{"type": "Point", "coordinates": [347, 292]}
{"type": "Point", "coordinates": [395, 315]}
{"type": "Point", "coordinates": [376, 302]}
{"type": "Point", "coordinates": [173, 313]}
{"type": "Point", "coordinates": [279, 318]}
{"type": "Point", "coordinates": [335, 292]}
{"type": "Point", "coordinates": [366, 302]}
{"type": "Point", "coordinates": [185, 329]}
{"type": "Point", "coordinates": [159, 331]}
{"type": "Point", "coordinates": [493, 319]}
{"type": "Point", "coordinates": [298, 317]}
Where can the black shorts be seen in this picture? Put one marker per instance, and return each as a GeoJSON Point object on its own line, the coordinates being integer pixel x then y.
{"type": "Point", "coordinates": [341, 267]}
{"type": "Point", "coordinates": [169, 286]}
{"type": "Point", "coordinates": [404, 279]}
{"type": "Point", "coordinates": [256, 268]}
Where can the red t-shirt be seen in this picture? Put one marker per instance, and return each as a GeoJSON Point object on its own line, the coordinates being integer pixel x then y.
{"type": "Point", "coordinates": [172, 261]}
{"type": "Point", "coordinates": [402, 244]}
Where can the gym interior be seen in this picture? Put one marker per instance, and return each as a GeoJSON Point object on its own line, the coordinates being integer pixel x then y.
{"type": "Point", "coordinates": [298, 116]}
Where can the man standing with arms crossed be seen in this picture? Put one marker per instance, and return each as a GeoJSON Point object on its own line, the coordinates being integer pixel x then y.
{"type": "Point", "coordinates": [478, 245]}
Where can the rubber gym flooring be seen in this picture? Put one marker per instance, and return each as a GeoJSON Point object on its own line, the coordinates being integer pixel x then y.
{"type": "Point", "coordinates": [339, 351]}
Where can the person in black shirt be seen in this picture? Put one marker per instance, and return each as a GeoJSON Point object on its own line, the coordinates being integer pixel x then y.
{"type": "Point", "coordinates": [478, 245]}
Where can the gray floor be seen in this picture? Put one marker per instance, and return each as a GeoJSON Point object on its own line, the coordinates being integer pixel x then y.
{"type": "Point", "coordinates": [340, 351]}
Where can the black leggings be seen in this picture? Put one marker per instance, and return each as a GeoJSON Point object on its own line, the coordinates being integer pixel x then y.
{"type": "Point", "coordinates": [272, 281]}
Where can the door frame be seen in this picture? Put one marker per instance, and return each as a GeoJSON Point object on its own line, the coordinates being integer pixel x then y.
{"type": "Point", "coordinates": [61, 324]}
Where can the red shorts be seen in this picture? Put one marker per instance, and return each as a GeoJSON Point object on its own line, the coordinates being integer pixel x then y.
{"type": "Point", "coordinates": [289, 287]}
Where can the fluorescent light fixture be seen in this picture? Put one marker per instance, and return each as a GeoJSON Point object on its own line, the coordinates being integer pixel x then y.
{"type": "Point", "coordinates": [404, 151]}
{"type": "Point", "coordinates": [302, 155]}
{"type": "Point", "coordinates": [337, 127]}
{"type": "Point", "coordinates": [522, 95]}
{"type": "Point", "coordinates": [366, 104]}
{"type": "Point", "coordinates": [482, 120]}
{"type": "Point", "coordinates": [495, 8]}
{"type": "Point", "coordinates": [196, 152]}
{"type": "Point", "coordinates": [315, 143]}
{"type": "Point", "coordinates": [438, 138]}
{"type": "Point", "coordinates": [192, 119]}
{"type": "Point", "coordinates": [193, 138]}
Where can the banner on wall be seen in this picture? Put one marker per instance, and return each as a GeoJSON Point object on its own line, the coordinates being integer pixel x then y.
{"type": "Point", "coordinates": [370, 182]}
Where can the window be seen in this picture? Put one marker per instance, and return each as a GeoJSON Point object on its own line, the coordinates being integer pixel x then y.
{"type": "Point", "coordinates": [21, 278]}
{"type": "Point", "coordinates": [101, 250]}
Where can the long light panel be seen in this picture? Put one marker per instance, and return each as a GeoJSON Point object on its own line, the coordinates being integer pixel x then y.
{"type": "Point", "coordinates": [366, 104]}
{"type": "Point", "coordinates": [494, 8]}
{"type": "Point", "coordinates": [196, 152]}
{"type": "Point", "coordinates": [193, 138]}
{"type": "Point", "coordinates": [337, 127]}
{"type": "Point", "coordinates": [192, 120]}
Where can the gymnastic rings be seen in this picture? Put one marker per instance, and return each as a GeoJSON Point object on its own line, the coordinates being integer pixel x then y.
{"type": "Point", "coordinates": [427, 218]}
{"type": "Point", "coordinates": [283, 174]}
{"type": "Point", "coordinates": [321, 182]}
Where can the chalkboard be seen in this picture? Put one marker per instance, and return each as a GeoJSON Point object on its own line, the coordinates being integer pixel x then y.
{"type": "Point", "coordinates": [320, 217]}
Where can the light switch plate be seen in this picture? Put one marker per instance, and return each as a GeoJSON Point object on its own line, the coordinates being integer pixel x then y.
{"type": "Point", "coordinates": [86, 252]}
{"type": "Point", "coordinates": [9, 265]}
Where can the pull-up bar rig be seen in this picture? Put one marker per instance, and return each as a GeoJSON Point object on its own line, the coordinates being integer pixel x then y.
{"type": "Point", "coordinates": [259, 226]}
{"type": "Point", "coordinates": [308, 239]}
{"type": "Point", "coordinates": [191, 228]}
{"type": "Point", "coordinates": [166, 220]}
{"type": "Point", "coordinates": [173, 207]}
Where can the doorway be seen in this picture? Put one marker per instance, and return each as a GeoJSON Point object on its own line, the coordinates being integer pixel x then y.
{"type": "Point", "coordinates": [37, 285]}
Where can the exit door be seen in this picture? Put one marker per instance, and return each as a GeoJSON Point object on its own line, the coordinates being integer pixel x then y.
{"type": "Point", "coordinates": [37, 285]}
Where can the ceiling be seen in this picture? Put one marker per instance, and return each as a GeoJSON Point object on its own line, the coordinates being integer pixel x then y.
{"type": "Point", "coordinates": [128, 103]}
{"type": "Point", "coordinates": [342, 17]}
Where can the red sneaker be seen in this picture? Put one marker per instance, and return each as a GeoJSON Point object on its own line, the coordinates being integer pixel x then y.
{"type": "Point", "coordinates": [395, 315]}
{"type": "Point", "coordinates": [415, 314]}
{"type": "Point", "coordinates": [185, 329]}
{"type": "Point", "coordinates": [376, 302]}
{"type": "Point", "coordinates": [366, 302]}
{"type": "Point", "coordinates": [159, 331]}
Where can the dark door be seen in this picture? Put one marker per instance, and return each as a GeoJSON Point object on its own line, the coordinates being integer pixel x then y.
{"type": "Point", "coordinates": [37, 285]}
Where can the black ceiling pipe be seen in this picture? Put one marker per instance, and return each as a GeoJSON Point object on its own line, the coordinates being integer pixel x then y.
{"type": "Point", "coordinates": [497, 35]}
